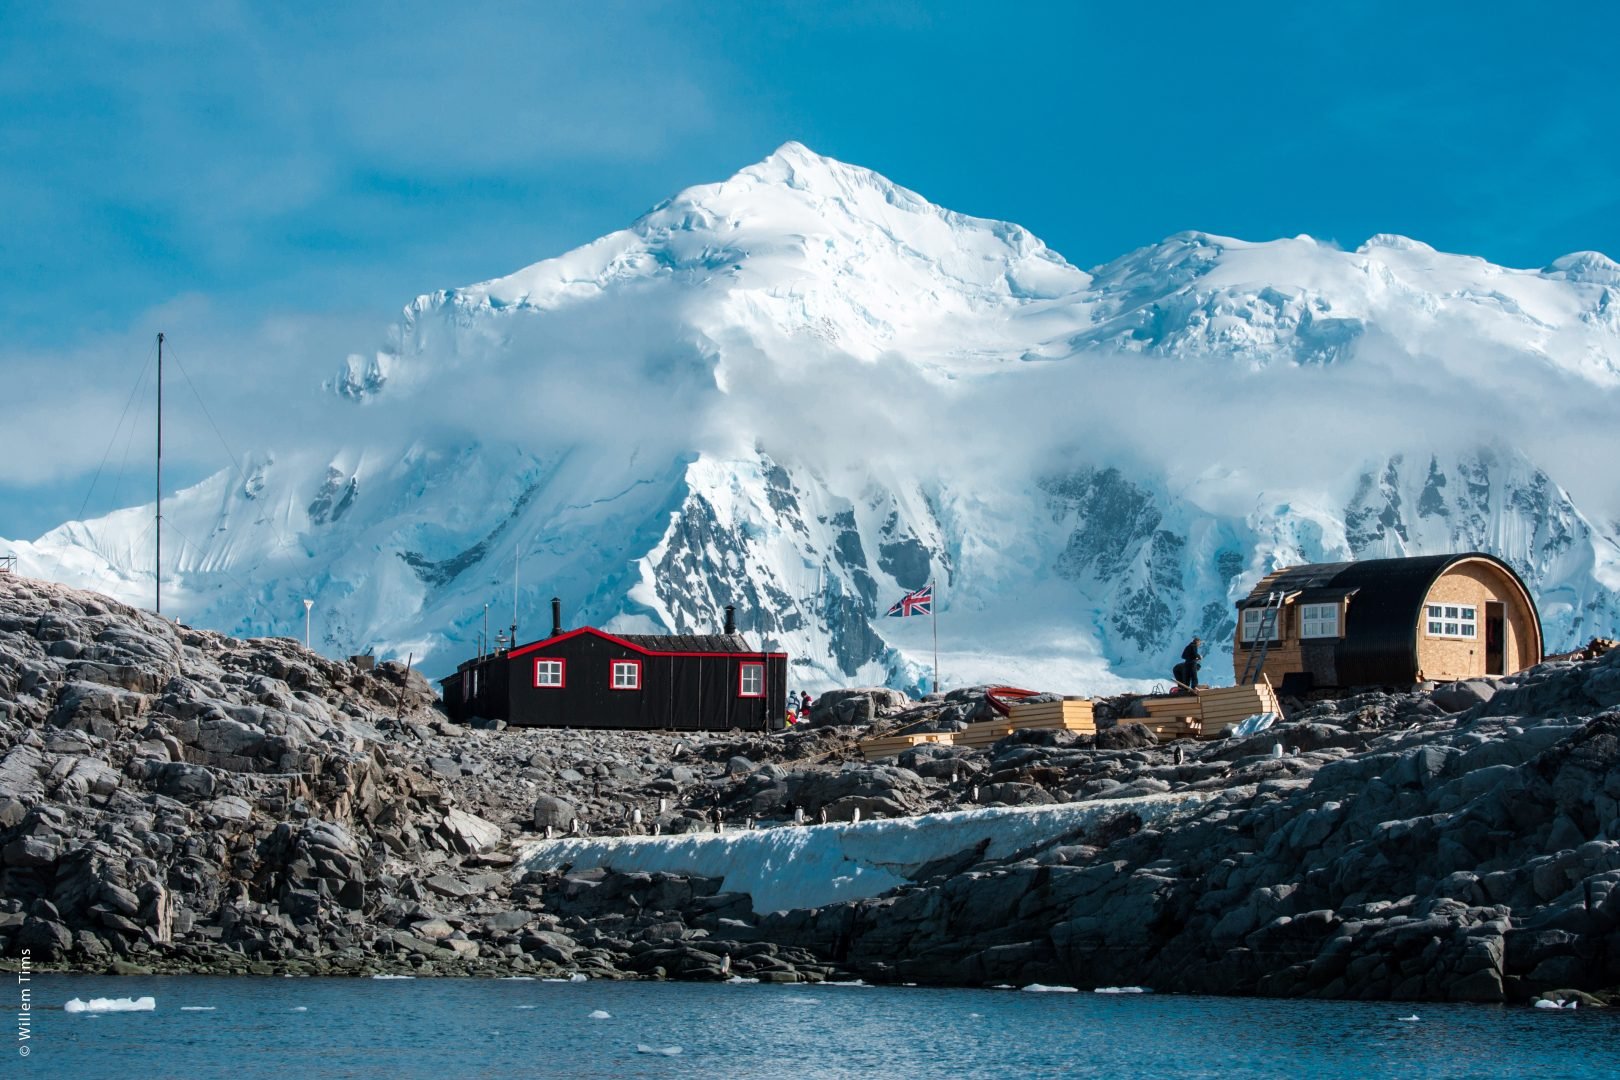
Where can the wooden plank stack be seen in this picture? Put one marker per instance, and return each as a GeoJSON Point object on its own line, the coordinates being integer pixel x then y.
{"type": "Point", "coordinates": [978, 735]}
{"type": "Point", "coordinates": [1228, 705]}
{"type": "Point", "coordinates": [899, 744]}
{"type": "Point", "coordinates": [1070, 714]}
{"type": "Point", "coordinates": [1172, 716]}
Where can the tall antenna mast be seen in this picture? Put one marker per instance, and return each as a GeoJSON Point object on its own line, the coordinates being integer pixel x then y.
{"type": "Point", "coordinates": [157, 558]}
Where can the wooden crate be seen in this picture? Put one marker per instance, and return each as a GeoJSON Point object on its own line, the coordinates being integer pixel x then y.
{"type": "Point", "coordinates": [898, 744]}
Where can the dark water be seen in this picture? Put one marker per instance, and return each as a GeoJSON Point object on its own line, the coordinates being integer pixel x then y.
{"type": "Point", "coordinates": [450, 1029]}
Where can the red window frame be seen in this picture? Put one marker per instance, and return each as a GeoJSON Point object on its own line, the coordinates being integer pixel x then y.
{"type": "Point", "coordinates": [613, 671]}
{"type": "Point", "coordinates": [562, 672]}
{"type": "Point", "coordinates": [744, 666]}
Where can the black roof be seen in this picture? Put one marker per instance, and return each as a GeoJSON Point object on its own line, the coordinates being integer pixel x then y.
{"type": "Point", "coordinates": [1380, 629]}
{"type": "Point", "coordinates": [708, 643]}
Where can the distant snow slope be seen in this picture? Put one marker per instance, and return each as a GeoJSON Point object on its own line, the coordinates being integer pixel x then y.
{"type": "Point", "coordinates": [806, 390]}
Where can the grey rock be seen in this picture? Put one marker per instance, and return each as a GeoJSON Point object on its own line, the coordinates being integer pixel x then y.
{"type": "Point", "coordinates": [469, 832]}
{"type": "Point", "coordinates": [551, 810]}
{"type": "Point", "coordinates": [186, 782]}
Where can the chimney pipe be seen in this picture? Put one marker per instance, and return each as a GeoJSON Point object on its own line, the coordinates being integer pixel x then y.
{"type": "Point", "coordinates": [731, 618]}
{"type": "Point", "coordinates": [556, 617]}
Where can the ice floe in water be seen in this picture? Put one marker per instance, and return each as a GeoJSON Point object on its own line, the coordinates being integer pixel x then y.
{"type": "Point", "coordinates": [1545, 1004]}
{"type": "Point", "coordinates": [579, 976]}
{"type": "Point", "coordinates": [393, 976]}
{"type": "Point", "coordinates": [1122, 990]}
{"type": "Point", "coordinates": [517, 978]}
{"type": "Point", "coordinates": [1414, 1018]}
{"type": "Point", "coordinates": [531, 1006]}
{"type": "Point", "coordinates": [800, 1000]}
{"type": "Point", "coordinates": [107, 1005]}
{"type": "Point", "coordinates": [1042, 988]}
{"type": "Point", "coordinates": [299, 1008]}
{"type": "Point", "coordinates": [601, 1014]}
{"type": "Point", "coordinates": [198, 1008]}
{"type": "Point", "coordinates": [741, 980]}
{"type": "Point", "coordinates": [662, 1051]}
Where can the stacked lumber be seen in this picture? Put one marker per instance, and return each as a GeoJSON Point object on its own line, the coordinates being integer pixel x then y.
{"type": "Point", "coordinates": [977, 735]}
{"type": "Point", "coordinates": [1070, 714]}
{"type": "Point", "coordinates": [1170, 716]}
{"type": "Point", "coordinates": [898, 744]}
{"type": "Point", "coordinates": [1228, 705]}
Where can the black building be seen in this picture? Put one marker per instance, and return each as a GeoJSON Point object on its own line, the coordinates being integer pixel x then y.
{"type": "Point", "coordinates": [589, 678]}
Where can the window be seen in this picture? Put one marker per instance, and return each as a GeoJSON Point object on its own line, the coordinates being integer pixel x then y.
{"type": "Point", "coordinates": [548, 674]}
{"type": "Point", "coordinates": [1251, 624]}
{"type": "Point", "coordinates": [1451, 620]}
{"type": "Point", "coordinates": [751, 680]}
{"type": "Point", "coordinates": [1318, 620]}
{"type": "Point", "coordinates": [626, 675]}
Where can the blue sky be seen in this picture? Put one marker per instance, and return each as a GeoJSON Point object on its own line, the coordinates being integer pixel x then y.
{"type": "Point", "coordinates": [288, 177]}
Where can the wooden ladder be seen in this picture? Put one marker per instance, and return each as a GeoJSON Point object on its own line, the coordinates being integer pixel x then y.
{"type": "Point", "coordinates": [1268, 624]}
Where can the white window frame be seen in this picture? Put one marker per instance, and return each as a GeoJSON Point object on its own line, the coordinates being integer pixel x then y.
{"type": "Point", "coordinates": [757, 670]}
{"type": "Point", "coordinates": [1319, 621]}
{"type": "Point", "coordinates": [550, 666]}
{"type": "Point", "coordinates": [1456, 621]}
{"type": "Point", "coordinates": [1250, 624]}
{"type": "Point", "coordinates": [625, 675]}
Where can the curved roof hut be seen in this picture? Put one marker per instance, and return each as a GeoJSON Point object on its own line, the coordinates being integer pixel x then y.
{"type": "Point", "coordinates": [1388, 622]}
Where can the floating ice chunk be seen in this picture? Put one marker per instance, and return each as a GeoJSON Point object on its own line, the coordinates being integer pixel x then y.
{"type": "Point", "coordinates": [579, 976]}
{"type": "Point", "coordinates": [198, 1008]}
{"type": "Point", "coordinates": [1414, 1018]}
{"type": "Point", "coordinates": [299, 1008]}
{"type": "Point", "coordinates": [663, 1051]}
{"type": "Point", "coordinates": [393, 976]}
{"type": "Point", "coordinates": [1546, 1003]}
{"type": "Point", "coordinates": [601, 1014]}
{"type": "Point", "coordinates": [1042, 988]}
{"type": "Point", "coordinates": [845, 982]}
{"type": "Point", "coordinates": [531, 1006]}
{"type": "Point", "coordinates": [1122, 990]}
{"type": "Point", "coordinates": [739, 980]}
{"type": "Point", "coordinates": [517, 978]}
{"type": "Point", "coordinates": [800, 1000]}
{"type": "Point", "coordinates": [107, 1005]}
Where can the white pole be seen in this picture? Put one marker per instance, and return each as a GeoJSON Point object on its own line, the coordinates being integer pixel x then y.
{"type": "Point", "coordinates": [307, 605]}
{"type": "Point", "coordinates": [933, 614]}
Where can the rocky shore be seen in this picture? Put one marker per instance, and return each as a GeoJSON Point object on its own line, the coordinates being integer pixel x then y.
{"type": "Point", "coordinates": [175, 800]}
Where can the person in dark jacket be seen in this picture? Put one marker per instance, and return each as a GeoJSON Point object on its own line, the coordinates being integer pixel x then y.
{"type": "Point", "coordinates": [1186, 672]}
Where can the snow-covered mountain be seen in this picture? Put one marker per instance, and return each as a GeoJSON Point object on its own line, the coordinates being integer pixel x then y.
{"type": "Point", "coordinates": [806, 390]}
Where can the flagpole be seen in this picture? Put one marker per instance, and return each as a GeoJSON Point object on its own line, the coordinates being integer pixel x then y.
{"type": "Point", "coordinates": [933, 614]}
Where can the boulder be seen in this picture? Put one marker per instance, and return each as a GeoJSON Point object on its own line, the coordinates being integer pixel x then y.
{"type": "Point", "coordinates": [469, 832]}
{"type": "Point", "coordinates": [1457, 696]}
{"type": "Point", "coordinates": [553, 811]}
{"type": "Point", "coordinates": [1126, 737]}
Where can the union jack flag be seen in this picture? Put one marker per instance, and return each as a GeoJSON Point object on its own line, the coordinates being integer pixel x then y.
{"type": "Point", "coordinates": [920, 602]}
